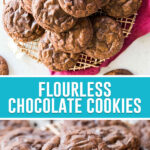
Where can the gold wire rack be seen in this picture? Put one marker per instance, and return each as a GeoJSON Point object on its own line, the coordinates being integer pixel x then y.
{"type": "Point", "coordinates": [84, 62]}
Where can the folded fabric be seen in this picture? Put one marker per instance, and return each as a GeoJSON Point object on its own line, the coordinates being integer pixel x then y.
{"type": "Point", "coordinates": [140, 28]}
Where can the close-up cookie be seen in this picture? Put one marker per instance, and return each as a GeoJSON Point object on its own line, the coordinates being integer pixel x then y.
{"type": "Point", "coordinates": [26, 5]}
{"type": "Point", "coordinates": [142, 130]}
{"type": "Point", "coordinates": [82, 8]}
{"type": "Point", "coordinates": [118, 138]}
{"type": "Point", "coordinates": [119, 72]}
{"type": "Point", "coordinates": [24, 138]}
{"type": "Point", "coordinates": [3, 66]}
{"type": "Point", "coordinates": [122, 8]}
{"type": "Point", "coordinates": [74, 40]}
{"type": "Point", "coordinates": [50, 16]}
{"type": "Point", "coordinates": [55, 60]}
{"type": "Point", "coordinates": [108, 38]}
{"type": "Point", "coordinates": [8, 125]}
{"type": "Point", "coordinates": [19, 24]}
{"type": "Point", "coordinates": [77, 140]}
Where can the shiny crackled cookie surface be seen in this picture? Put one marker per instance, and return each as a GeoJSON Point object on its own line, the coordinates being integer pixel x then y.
{"type": "Point", "coordinates": [107, 40]}
{"type": "Point", "coordinates": [77, 140]}
{"type": "Point", "coordinates": [75, 40]}
{"type": "Point", "coordinates": [25, 139]}
{"type": "Point", "coordinates": [82, 8]}
{"type": "Point", "coordinates": [50, 16]}
{"type": "Point", "coordinates": [26, 5]}
{"type": "Point", "coordinates": [19, 24]}
{"type": "Point", "coordinates": [122, 8]}
{"type": "Point", "coordinates": [55, 60]}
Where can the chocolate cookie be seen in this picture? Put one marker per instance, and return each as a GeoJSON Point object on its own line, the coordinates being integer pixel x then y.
{"type": "Point", "coordinates": [8, 125]}
{"type": "Point", "coordinates": [119, 72]}
{"type": "Point", "coordinates": [142, 130]}
{"type": "Point", "coordinates": [108, 38]}
{"type": "Point", "coordinates": [26, 5]}
{"type": "Point", "coordinates": [19, 24]}
{"type": "Point", "coordinates": [82, 8]}
{"type": "Point", "coordinates": [50, 16]}
{"type": "Point", "coordinates": [76, 39]}
{"type": "Point", "coordinates": [77, 140]}
{"type": "Point", "coordinates": [55, 60]}
{"type": "Point", "coordinates": [118, 138]}
{"type": "Point", "coordinates": [3, 66]}
{"type": "Point", "coordinates": [122, 8]}
{"type": "Point", "coordinates": [24, 138]}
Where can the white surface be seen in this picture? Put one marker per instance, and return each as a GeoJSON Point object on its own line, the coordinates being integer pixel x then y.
{"type": "Point", "coordinates": [136, 58]}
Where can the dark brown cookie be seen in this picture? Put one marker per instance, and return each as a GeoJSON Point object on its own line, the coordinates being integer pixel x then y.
{"type": "Point", "coordinates": [19, 24]}
{"type": "Point", "coordinates": [122, 8]}
{"type": "Point", "coordinates": [50, 16]}
{"type": "Point", "coordinates": [142, 130]}
{"type": "Point", "coordinates": [77, 140]}
{"type": "Point", "coordinates": [119, 72]}
{"type": "Point", "coordinates": [118, 138]}
{"type": "Point", "coordinates": [55, 60]}
{"type": "Point", "coordinates": [108, 38]}
{"type": "Point", "coordinates": [26, 5]}
{"type": "Point", "coordinates": [3, 66]}
{"type": "Point", "coordinates": [76, 39]}
{"type": "Point", "coordinates": [22, 138]}
{"type": "Point", "coordinates": [82, 8]}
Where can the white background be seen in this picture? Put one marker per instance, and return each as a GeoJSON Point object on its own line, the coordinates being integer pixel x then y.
{"type": "Point", "coordinates": [136, 58]}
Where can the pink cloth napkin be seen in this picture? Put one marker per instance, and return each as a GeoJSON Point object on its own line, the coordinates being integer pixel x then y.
{"type": "Point", "coordinates": [141, 28]}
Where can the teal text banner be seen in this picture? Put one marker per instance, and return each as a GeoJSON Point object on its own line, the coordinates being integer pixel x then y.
{"type": "Point", "coordinates": [74, 97]}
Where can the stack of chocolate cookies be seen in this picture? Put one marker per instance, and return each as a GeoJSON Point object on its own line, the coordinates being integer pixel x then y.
{"type": "Point", "coordinates": [67, 28]}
